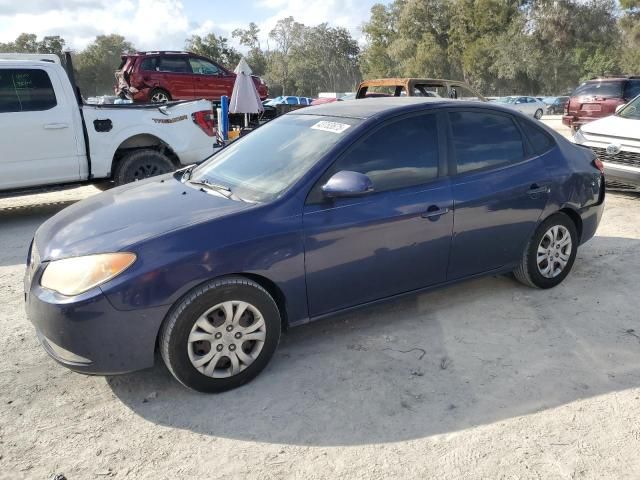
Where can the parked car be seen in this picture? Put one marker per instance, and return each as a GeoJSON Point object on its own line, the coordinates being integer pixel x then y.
{"type": "Point", "coordinates": [319, 211]}
{"type": "Point", "coordinates": [555, 105]}
{"type": "Point", "coordinates": [599, 98]}
{"type": "Point", "coordinates": [616, 141]}
{"type": "Point", "coordinates": [52, 138]}
{"type": "Point", "coordinates": [289, 100]}
{"type": "Point", "coordinates": [417, 87]}
{"type": "Point", "coordinates": [166, 76]}
{"type": "Point", "coordinates": [528, 105]}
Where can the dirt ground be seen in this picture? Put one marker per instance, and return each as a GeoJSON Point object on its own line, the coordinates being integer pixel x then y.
{"type": "Point", "coordinates": [487, 379]}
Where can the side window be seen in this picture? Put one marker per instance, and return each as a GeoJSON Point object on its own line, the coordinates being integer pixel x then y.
{"type": "Point", "coordinates": [25, 90]}
{"type": "Point", "coordinates": [632, 89]}
{"type": "Point", "coordinates": [202, 67]}
{"type": "Point", "coordinates": [148, 64]}
{"type": "Point", "coordinates": [174, 65]}
{"type": "Point", "coordinates": [531, 100]}
{"type": "Point", "coordinates": [540, 141]}
{"type": "Point", "coordinates": [484, 140]}
{"type": "Point", "coordinates": [402, 154]}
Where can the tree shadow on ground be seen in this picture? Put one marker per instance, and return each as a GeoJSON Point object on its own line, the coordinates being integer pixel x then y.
{"type": "Point", "coordinates": [471, 354]}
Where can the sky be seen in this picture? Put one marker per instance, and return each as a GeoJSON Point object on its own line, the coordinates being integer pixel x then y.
{"type": "Point", "coordinates": [165, 24]}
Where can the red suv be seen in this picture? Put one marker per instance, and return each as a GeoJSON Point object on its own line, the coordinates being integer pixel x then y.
{"type": "Point", "coordinates": [165, 76]}
{"type": "Point", "coordinates": [599, 98]}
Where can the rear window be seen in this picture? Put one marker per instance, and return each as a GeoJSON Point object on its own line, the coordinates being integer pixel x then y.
{"type": "Point", "coordinates": [25, 90]}
{"type": "Point", "coordinates": [174, 64]}
{"type": "Point", "coordinates": [540, 141]}
{"type": "Point", "coordinates": [606, 89]}
{"type": "Point", "coordinates": [632, 89]}
{"type": "Point", "coordinates": [149, 64]}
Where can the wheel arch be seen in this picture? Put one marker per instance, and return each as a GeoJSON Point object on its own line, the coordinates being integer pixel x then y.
{"type": "Point", "coordinates": [575, 218]}
{"type": "Point", "coordinates": [142, 141]}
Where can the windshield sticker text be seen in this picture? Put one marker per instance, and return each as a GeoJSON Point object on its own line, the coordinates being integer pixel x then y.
{"type": "Point", "coordinates": [333, 127]}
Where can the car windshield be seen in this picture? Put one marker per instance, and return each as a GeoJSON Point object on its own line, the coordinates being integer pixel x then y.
{"type": "Point", "coordinates": [600, 89]}
{"type": "Point", "coordinates": [506, 100]}
{"type": "Point", "coordinates": [262, 165]}
{"type": "Point", "coordinates": [631, 109]}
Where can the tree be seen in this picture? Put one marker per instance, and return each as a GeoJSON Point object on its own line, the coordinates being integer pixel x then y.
{"type": "Point", "coordinates": [286, 32]}
{"type": "Point", "coordinates": [214, 47]}
{"type": "Point", "coordinates": [95, 65]}
{"type": "Point", "coordinates": [28, 43]}
{"type": "Point", "coordinates": [256, 58]}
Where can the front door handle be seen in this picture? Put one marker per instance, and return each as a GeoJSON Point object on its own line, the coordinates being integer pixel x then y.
{"type": "Point", "coordinates": [535, 189]}
{"type": "Point", "coordinates": [55, 126]}
{"type": "Point", "coordinates": [434, 212]}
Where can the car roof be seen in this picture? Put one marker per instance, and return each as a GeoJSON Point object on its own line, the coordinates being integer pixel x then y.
{"type": "Point", "coordinates": [369, 107]}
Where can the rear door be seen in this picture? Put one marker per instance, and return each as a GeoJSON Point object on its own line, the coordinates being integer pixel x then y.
{"type": "Point", "coordinates": [177, 76]}
{"type": "Point", "coordinates": [391, 241]}
{"type": "Point", "coordinates": [37, 123]}
{"type": "Point", "coordinates": [499, 191]}
{"type": "Point", "coordinates": [210, 81]}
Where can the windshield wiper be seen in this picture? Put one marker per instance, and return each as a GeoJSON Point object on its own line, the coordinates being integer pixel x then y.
{"type": "Point", "coordinates": [206, 184]}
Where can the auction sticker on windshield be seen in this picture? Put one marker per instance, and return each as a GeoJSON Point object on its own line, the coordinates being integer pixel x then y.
{"type": "Point", "coordinates": [334, 127]}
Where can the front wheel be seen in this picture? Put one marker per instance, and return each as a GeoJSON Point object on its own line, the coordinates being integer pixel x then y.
{"type": "Point", "coordinates": [221, 335]}
{"type": "Point", "coordinates": [538, 114]}
{"type": "Point", "coordinates": [550, 253]}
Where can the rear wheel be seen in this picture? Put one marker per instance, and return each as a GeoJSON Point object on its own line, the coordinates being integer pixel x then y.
{"type": "Point", "coordinates": [159, 96]}
{"type": "Point", "coordinates": [550, 253]}
{"type": "Point", "coordinates": [221, 335]}
{"type": "Point", "coordinates": [141, 164]}
{"type": "Point", "coordinates": [538, 114]}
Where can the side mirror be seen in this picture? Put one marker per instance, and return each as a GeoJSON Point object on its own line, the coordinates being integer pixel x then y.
{"type": "Point", "coordinates": [347, 184]}
{"type": "Point", "coordinates": [620, 107]}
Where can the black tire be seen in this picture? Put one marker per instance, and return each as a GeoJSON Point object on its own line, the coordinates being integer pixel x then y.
{"type": "Point", "coordinates": [159, 92]}
{"type": "Point", "coordinates": [538, 114]}
{"type": "Point", "coordinates": [141, 164]}
{"type": "Point", "coordinates": [528, 271]}
{"type": "Point", "coordinates": [176, 329]}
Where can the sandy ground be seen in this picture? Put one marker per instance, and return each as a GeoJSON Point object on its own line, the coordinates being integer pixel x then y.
{"type": "Point", "coordinates": [487, 379]}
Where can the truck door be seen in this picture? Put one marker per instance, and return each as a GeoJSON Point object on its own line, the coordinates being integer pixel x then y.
{"type": "Point", "coordinates": [39, 134]}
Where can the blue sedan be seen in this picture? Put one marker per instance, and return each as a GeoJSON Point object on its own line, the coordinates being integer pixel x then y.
{"type": "Point", "coordinates": [322, 210]}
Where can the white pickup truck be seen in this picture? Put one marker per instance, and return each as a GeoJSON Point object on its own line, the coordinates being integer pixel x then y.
{"type": "Point", "coordinates": [50, 137]}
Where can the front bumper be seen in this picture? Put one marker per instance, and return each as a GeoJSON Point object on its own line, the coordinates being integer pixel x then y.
{"type": "Point", "coordinates": [624, 174]}
{"type": "Point", "coordinates": [87, 334]}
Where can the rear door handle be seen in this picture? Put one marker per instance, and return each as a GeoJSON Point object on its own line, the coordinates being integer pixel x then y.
{"type": "Point", "coordinates": [535, 189]}
{"type": "Point", "coordinates": [55, 126]}
{"type": "Point", "coordinates": [434, 212]}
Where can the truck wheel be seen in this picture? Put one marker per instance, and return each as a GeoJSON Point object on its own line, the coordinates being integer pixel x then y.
{"type": "Point", "coordinates": [159, 96]}
{"type": "Point", "coordinates": [141, 164]}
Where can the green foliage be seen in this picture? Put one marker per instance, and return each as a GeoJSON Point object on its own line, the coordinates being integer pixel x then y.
{"type": "Point", "coordinates": [96, 64]}
{"type": "Point", "coordinates": [214, 47]}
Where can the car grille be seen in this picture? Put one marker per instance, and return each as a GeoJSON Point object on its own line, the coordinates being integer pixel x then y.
{"type": "Point", "coordinates": [622, 157]}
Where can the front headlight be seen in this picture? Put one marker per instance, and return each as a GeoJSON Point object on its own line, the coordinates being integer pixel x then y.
{"type": "Point", "coordinates": [578, 137]}
{"type": "Point", "coordinates": [72, 276]}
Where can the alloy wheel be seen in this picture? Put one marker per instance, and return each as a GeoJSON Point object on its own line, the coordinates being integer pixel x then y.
{"type": "Point", "coordinates": [159, 97]}
{"type": "Point", "coordinates": [554, 251]}
{"type": "Point", "coordinates": [226, 339]}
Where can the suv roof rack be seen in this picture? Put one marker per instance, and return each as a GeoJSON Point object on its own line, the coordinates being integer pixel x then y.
{"type": "Point", "coordinates": [160, 52]}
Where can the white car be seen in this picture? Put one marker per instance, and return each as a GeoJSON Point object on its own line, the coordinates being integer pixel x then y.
{"type": "Point", "coordinates": [527, 105]}
{"type": "Point", "coordinates": [616, 141]}
{"type": "Point", "coordinates": [50, 137]}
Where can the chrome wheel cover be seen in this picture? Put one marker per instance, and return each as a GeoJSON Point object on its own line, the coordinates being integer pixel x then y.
{"type": "Point", "coordinates": [159, 97]}
{"type": "Point", "coordinates": [226, 339]}
{"type": "Point", "coordinates": [554, 251]}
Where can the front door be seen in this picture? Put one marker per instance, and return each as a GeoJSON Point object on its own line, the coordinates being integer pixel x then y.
{"type": "Point", "coordinates": [210, 81]}
{"type": "Point", "coordinates": [391, 241]}
{"type": "Point", "coordinates": [499, 192]}
{"type": "Point", "coordinates": [38, 124]}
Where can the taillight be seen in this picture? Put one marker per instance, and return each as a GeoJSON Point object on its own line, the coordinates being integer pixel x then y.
{"type": "Point", "coordinates": [566, 107]}
{"type": "Point", "coordinates": [204, 119]}
{"type": "Point", "coordinates": [599, 165]}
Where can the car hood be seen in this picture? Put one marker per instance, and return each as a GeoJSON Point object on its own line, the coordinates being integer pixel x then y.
{"type": "Point", "coordinates": [116, 219]}
{"type": "Point", "coordinates": [614, 126]}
